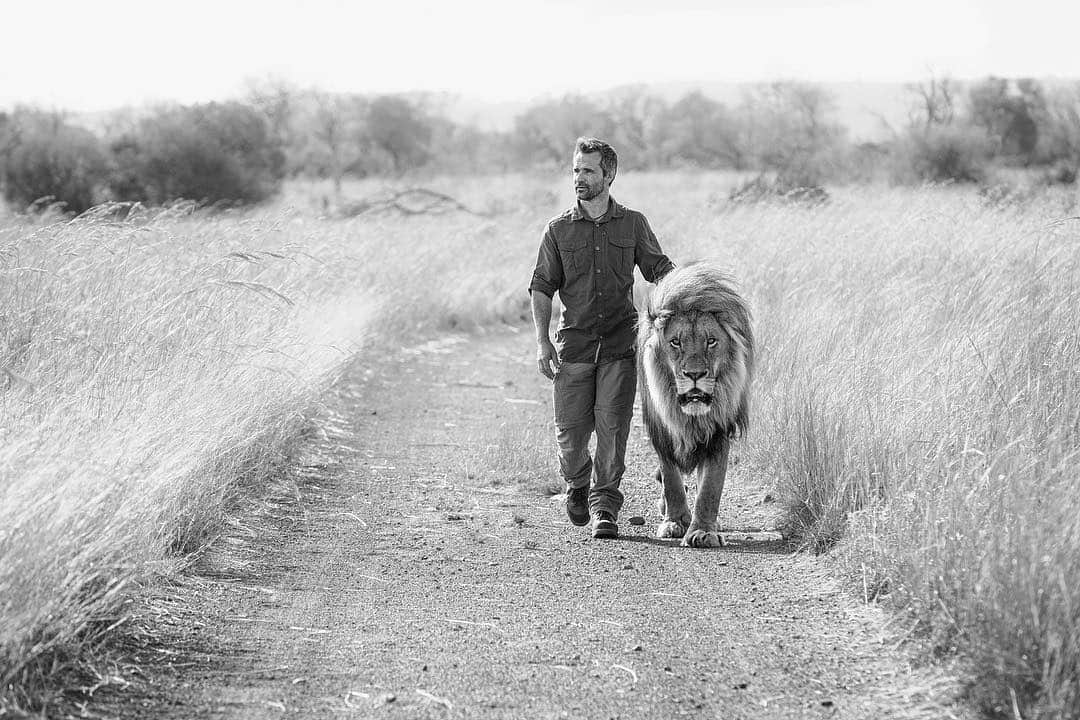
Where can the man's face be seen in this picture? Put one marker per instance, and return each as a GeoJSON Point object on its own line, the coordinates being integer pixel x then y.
{"type": "Point", "coordinates": [589, 180]}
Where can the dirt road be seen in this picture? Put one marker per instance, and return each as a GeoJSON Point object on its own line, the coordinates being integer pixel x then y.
{"type": "Point", "coordinates": [410, 587]}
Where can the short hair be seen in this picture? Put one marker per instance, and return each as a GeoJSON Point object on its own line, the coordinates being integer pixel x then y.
{"type": "Point", "coordinates": [609, 159]}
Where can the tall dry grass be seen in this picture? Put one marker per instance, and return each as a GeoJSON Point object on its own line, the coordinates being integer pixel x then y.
{"type": "Point", "coordinates": [150, 371]}
{"type": "Point", "coordinates": [918, 403]}
{"type": "Point", "coordinates": [915, 401]}
{"type": "Point", "coordinates": [155, 370]}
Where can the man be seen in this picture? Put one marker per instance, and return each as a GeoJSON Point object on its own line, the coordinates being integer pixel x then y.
{"type": "Point", "coordinates": [588, 255]}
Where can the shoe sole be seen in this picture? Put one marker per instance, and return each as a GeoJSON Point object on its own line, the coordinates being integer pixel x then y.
{"type": "Point", "coordinates": [605, 532]}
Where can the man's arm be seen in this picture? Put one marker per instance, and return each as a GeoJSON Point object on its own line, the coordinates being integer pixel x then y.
{"type": "Point", "coordinates": [546, 357]}
{"type": "Point", "coordinates": [652, 261]}
{"type": "Point", "coordinates": [546, 280]}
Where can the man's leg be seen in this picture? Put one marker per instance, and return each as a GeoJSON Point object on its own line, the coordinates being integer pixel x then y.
{"type": "Point", "coordinates": [616, 385]}
{"type": "Point", "coordinates": [574, 392]}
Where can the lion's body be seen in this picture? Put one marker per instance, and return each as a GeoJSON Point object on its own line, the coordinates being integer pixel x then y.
{"type": "Point", "coordinates": [695, 364]}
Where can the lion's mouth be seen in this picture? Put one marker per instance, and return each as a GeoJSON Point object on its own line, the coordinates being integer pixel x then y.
{"type": "Point", "coordinates": [694, 397]}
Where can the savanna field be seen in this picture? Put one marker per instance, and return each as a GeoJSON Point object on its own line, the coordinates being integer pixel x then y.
{"type": "Point", "coordinates": [917, 399]}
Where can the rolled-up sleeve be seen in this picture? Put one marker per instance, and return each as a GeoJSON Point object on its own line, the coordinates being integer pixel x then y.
{"type": "Point", "coordinates": [648, 256]}
{"type": "Point", "coordinates": [548, 275]}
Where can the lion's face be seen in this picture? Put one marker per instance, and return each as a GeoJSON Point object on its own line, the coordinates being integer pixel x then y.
{"type": "Point", "coordinates": [695, 364]}
{"type": "Point", "coordinates": [698, 350]}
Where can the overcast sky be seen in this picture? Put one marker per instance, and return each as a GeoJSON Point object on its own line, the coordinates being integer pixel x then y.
{"type": "Point", "coordinates": [101, 54]}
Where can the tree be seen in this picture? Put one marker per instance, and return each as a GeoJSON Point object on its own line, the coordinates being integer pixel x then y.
{"type": "Point", "coordinates": [458, 148]}
{"type": "Point", "coordinates": [335, 126]}
{"type": "Point", "coordinates": [546, 132]}
{"type": "Point", "coordinates": [940, 144]}
{"type": "Point", "coordinates": [400, 129]}
{"type": "Point", "coordinates": [211, 152]}
{"type": "Point", "coordinates": [704, 132]}
{"type": "Point", "coordinates": [43, 156]}
{"type": "Point", "coordinates": [943, 153]}
{"type": "Point", "coordinates": [275, 98]}
{"type": "Point", "coordinates": [7, 144]}
{"type": "Point", "coordinates": [638, 126]}
{"type": "Point", "coordinates": [792, 130]}
{"type": "Point", "coordinates": [1008, 112]}
{"type": "Point", "coordinates": [1059, 140]}
{"type": "Point", "coordinates": [935, 102]}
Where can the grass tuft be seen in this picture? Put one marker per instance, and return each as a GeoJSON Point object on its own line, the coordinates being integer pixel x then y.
{"type": "Point", "coordinates": [522, 455]}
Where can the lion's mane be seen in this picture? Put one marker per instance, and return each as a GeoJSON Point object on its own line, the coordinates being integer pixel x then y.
{"type": "Point", "coordinates": [685, 439]}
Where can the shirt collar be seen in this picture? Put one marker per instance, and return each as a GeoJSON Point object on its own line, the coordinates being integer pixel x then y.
{"type": "Point", "coordinates": [615, 210]}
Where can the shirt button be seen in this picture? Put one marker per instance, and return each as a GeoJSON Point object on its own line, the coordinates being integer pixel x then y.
{"type": "Point", "coordinates": [598, 248]}
{"type": "Point", "coordinates": [597, 271]}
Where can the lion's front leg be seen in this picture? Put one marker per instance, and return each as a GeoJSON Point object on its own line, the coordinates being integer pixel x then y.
{"type": "Point", "coordinates": [703, 530]}
{"type": "Point", "coordinates": [674, 512]}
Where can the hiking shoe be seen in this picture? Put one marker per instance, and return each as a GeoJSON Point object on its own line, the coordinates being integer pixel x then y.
{"type": "Point", "coordinates": [577, 505]}
{"type": "Point", "coordinates": [603, 525]}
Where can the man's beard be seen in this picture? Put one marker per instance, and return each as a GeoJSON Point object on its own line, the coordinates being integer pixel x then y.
{"type": "Point", "coordinates": [586, 192]}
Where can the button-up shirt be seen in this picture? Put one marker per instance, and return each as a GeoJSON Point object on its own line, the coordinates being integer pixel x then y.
{"type": "Point", "coordinates": [591, 265]}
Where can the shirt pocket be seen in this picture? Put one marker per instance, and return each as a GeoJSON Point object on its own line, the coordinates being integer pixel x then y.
{"type": "Point", "coordinates": [622, 256]}
{"type": "Point", "coordinates": [575, 258]}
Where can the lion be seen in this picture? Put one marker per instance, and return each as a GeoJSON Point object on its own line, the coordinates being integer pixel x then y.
{"type": "Point", "coordinates": [695, 365]}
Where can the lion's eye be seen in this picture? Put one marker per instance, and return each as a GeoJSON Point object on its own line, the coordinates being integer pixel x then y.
{"type": "Point", "coordinates": [711, 342]}
{"type": "Point", "coordinates": [674, 342]}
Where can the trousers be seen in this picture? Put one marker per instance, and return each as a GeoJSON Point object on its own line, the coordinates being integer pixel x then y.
{"type": "Point", "coordinates": [596, 398]}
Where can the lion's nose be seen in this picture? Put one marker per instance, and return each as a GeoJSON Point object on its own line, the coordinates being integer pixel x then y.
{"type": "Point", "coordinates": [694, 375]}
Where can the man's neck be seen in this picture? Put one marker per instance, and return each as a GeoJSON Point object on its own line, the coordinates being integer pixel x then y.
{"type": "Point", "coordinates": [596, 207]}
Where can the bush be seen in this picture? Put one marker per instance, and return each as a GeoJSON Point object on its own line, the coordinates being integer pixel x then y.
{"type": "Point", "coordinates": [47, 158]}
{"type": "Point", "coordinates": [213, 153]}
{"type": "Point", "coordinates": [1062, 172]}
{"type": "Point", "coordinates": [943, 153]}
{"type": "Point", "coordinates": [785, 188]}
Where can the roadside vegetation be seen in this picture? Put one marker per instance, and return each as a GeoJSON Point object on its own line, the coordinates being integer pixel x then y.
{"type": "Point", "coordinates": [1011, 137]}
{"type": "Point", "coordinates": [915, 408]}
{"type": "Point", "coordinates": [150, 371]}
{"type": "Point", "coordinates": [156, 370]}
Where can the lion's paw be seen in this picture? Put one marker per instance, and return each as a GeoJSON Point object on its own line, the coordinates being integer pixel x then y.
{"type": "Point", "coordinates": [670, 529]}
{"type": "Point", "coordinates": [698, 538]}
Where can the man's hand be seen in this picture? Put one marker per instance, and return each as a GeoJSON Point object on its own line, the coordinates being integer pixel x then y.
{"type": "Point", "coordinates": [547, 358]}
